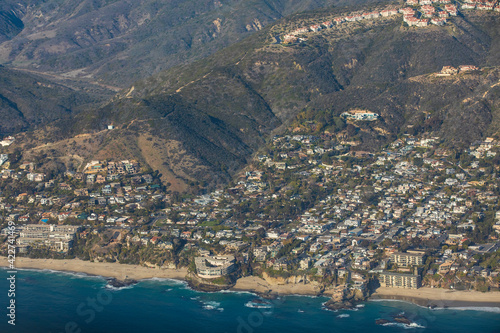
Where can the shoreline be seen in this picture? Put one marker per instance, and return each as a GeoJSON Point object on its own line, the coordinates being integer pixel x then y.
{"type": "Point", "coordinates": [117, 271]}
{"type": "Point", "coordinates": [439, 298]}
{"type": "Point", "coordinates": [257, 285]}
{"type": "Point", "coordinates": [425, 296]}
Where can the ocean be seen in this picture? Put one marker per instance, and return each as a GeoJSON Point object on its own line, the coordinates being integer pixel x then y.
{"type": "Point", "coordinates": [48, 301]}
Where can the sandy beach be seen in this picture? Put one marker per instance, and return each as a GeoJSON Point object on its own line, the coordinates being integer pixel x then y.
{"type": "Point", "coordinates": [122, 272]}
{"type": "Point", "coordinates": [115, 270]}
{"type": "Point", "coordinates": [423, 296]}
{"type": "Point", "coordinates": [426, 296]}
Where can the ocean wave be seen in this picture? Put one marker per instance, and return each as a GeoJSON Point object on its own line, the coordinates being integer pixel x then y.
{"type": "Point", "coordinates": [345, 315]}
{"type": "Point", "coordinates": [458, 308]}
{"type": "Point", "coordinates": [212, 305]}
{"type": "Point", "coordinates": [242, 292]}
{"type": "Point", "coordinates": [405, 326]}
{"type": "Point", "coordinates": [327, 309]}
{"type": "Point", "coordinates": [473, 308]}
{"type": "Point", "coordinates": [172, 282]}
{"type": "Point", "coordinates": [323, 307]}
{"type": "Point", "coordinates": [255, 305]}
{"type": "Point", "coordinates": [184, 285]}
{"type": "Point", "coordinates": [110, 287]}
{"type": "Point", "coordinates": [400, 301]}
{"type": "Point", "coordinates": [79, 275]}
{"type": "Point", "coordinates": [308, 296]}
{"type": "Point", "coordinates": [360, 306]}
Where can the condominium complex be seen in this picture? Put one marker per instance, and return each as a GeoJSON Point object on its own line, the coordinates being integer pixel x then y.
{"type": "Point", "coordinates": [398, 280]}
{"type": "Point", "coordinates": [213, 267]}
{"type": "Point", "coordinates": [407, 259]}
{"type": "Point", "coordinates": [55, 237]}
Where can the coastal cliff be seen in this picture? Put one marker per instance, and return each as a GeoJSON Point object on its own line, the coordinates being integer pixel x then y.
{"type": "Point", "coordinates": [256, 284]}
{"type": "Point", "coordinates": [293, 280]}
{"type": "Point", "coordinates": [345, 298]}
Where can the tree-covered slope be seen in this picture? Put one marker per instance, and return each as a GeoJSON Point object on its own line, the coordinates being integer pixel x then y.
{"type": "Point", "coordinates": [218, 111]}
{"type": "Point", "coordinates": [120, 41]}
{"type": "Point", "coordinates": [28, 101]}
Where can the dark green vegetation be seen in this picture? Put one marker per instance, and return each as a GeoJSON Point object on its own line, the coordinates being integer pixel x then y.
{"type": "Point", "coordinates": [223, 108]}
{"type": "Point", "coordinates": [120, 41]}
{"type": "Point", "coordinates": [28, 101]}
{"type": "Point", "coordinates": [199, 123]}
{"type": "Point", "coordinates": [10, 25]}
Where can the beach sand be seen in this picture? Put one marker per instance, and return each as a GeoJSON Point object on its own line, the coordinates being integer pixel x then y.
{"type": "Point", "coordinates": [122, 272]}
{"type": "Point", "coordinates": [422, 296]}
{"type": "Point", "coordinates": [438, 297]}
{"type": "Point", "coordinates": [115, 270]}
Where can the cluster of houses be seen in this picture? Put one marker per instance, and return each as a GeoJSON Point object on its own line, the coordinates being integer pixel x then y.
{"type": "Point", "coordinates": [19, 175]}
{"type": "Point", "coordinates": [481, 5]}
{"type": "Point", "coordinates": [484, 148]}
{"type": "Point", "coordinates": [94, 172]}
{"type": "Point", "coordinates": [3, 158]}
{"type": "Point", "coordinates": [450, 70]}
{"type": "Point", "coordinates": [105, 197]}
{"type": "Point", "coordinates": [411, 192]}
{"type": "Point", "coordinates": [428, 12]}
{"type": "Point", "coordinates": [112, 168]}
{"type": "Point", "coordinates": [294, 35]}
{"type": "Point", "coordinates": [7, 141]}
{"type": "Point", "coordinates": [100, 172]}
{"type": "Point", "coordinates": [346, 218]}
{"type": "Point", "coordinates": [360, 115]}
{"type": "Point", "coordinates": [336, 233]}
{"type": "Point", "coordinates": [418, 13]}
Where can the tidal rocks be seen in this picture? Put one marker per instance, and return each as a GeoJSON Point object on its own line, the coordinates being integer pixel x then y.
{"type": "Point", "coordinates": [115, 283]}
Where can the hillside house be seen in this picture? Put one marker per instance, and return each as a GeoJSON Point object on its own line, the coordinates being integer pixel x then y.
{"type": "Point", "coordinates": [449, 70]}
{"type": "Point", "coordinates": [407, 11]}
{"type": "Point", "coordinates": [467, 68]}
{"type": "Point", "coordinates": [388, 12]}
{"type": "Point", "coordinates": [438, 21]}
{"type": "Point", "coordinates": [452, 9]}
{"type": "Point", "coordinates": [469, 6]}
{"type": "Point", "coordinates": [360, 115]}
{"type": "Point", "coordinates": [315, 28]}
{"type": "Point", "coordinates": [443, 14]}
{"type": "Point", "coordinates": [422, 23]}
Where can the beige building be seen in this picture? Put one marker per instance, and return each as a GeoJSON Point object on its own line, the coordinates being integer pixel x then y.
{"type": "Point", "coordinates": [55, 237]}
{"type": "Point", "coordinates": [407, 259]}
{"type": "Point", "coordinates": [215, 266]}
{"type": "Point", "coordinates": [398, 280]}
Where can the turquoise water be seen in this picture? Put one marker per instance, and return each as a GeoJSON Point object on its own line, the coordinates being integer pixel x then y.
{"type": "Point", "coordinates": [60, 302]}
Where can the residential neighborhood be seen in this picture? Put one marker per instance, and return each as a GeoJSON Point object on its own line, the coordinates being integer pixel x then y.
{"type": "Point", "coordinates": [417, 13]}
{"type": "Point", "coordinates": [410, 215]}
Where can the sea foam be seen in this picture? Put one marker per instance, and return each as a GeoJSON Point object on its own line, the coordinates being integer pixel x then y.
{"type": "Point", "coordinates": [405, 326]}
{"type": "Point", "coordinates": [212, 305]}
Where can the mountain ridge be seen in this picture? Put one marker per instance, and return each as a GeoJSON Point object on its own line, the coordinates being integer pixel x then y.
{"type": "Point", "coordinates": [119, 42]}
{"type": "Point", "coordinates": [222, 109]}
